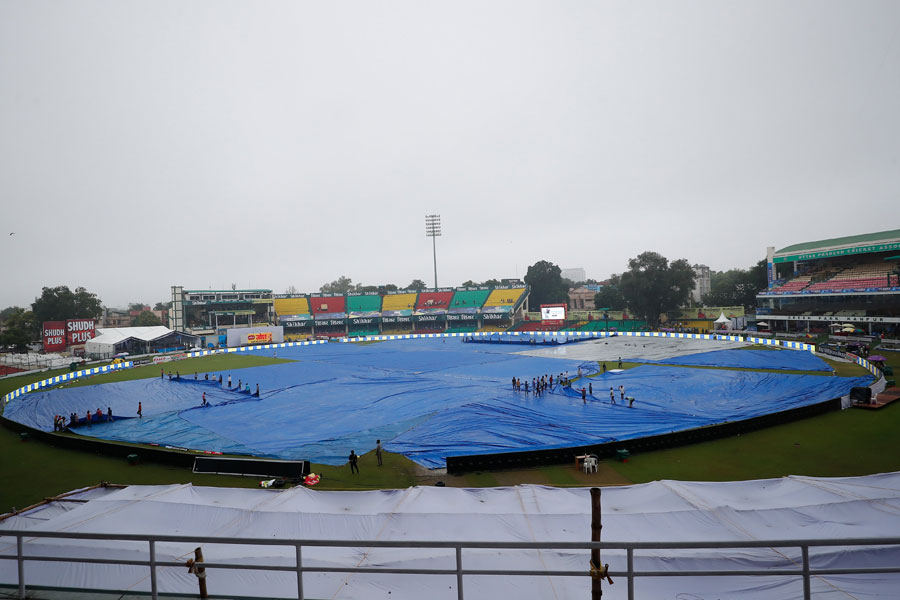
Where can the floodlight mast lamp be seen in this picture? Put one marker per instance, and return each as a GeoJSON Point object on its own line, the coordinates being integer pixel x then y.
{"type": "Point", "coordinates": [433, 230]}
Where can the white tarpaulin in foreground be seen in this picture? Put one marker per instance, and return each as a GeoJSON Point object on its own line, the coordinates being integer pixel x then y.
{"type": "Point", "coordinates": [665, 511]}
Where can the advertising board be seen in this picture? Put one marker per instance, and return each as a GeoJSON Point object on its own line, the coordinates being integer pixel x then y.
{"type": "Point", "coordinates": [264, 337]}
{"type": "Point", "coordinates": [79, 331]}
{"type": "Point", "coordinates": [54, 336]}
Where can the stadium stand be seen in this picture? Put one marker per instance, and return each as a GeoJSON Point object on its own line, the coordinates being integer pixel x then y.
{"type": "Point", "coordinates": [328, 305]}
{"type": "Point", "coordinates": [814, 286]}
{"type": "Point", "coordinates": [399, 302]}
{"type": "Point", "coordinates": [504, 297]}
{"type": "Point", "coordinates": [291, 306]}
{"type": "Point", "coordinates": [363, 304]}
{"type": "Point", "coordinates": [434, 300]}
{"type": "Point", "coordinates": [468, 299]}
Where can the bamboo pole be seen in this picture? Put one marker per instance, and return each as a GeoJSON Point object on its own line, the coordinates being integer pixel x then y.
{"type": "Point", "coordinates": [599, 571]}
{"type": "Point", "coordinates": [199, 571]}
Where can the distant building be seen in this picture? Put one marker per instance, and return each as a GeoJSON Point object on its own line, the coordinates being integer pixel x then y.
{"type": "Point", "coordinates": [115, 318]}
{"type": "Point", "coordinates": [576, 275]}
{"type": "Point", "coordinates": [582, 298]}
{"type": "Point", "coordinates": [702, 284]}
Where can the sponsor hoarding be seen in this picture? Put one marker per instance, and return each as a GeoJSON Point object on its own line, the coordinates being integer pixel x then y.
{"type": "Point", "coordinates": [264, 337]}
{"type": "Point", "coordinates": [54, 336]}
{"type": "Point", "coordinates": [79, 331]}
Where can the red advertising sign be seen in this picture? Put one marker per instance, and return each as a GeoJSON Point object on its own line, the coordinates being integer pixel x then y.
{"type": "Point", "coordinates": [78, 331]}
{"type": "Point", "coordinates": [54, 335]}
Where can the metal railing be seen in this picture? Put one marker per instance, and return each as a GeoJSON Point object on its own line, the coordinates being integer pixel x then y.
{"type": "Point", "coordinates": [802, 569]}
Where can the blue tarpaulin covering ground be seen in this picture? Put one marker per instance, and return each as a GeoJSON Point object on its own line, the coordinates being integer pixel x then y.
{"type": "Point", "coordinates": [788, 360]}
{"type": "Point", "coordinates": [426, 399]}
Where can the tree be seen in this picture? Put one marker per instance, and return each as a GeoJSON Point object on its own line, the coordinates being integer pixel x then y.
{"type": "Point", "coordinates": [736, 287]}
{"type": "Point", "coordinates": [490, 283]}
{"type": "Point", "coordinates": [60, 303]}
{"type": "Point", "coordinates": [8, 312]}
{"type": "Point", "coordinates": [19, 327]}
{"type": "Point", "coordinates": [547, 286]}
{"type": "Point", "coordinates": [610, 296]}
{"type": "Point", "coordinates": [468, 283]}
{"type": "Point", "coordinates": [389, 287]}
{"type": "Point", "coordinates": [146, 319]}
{"type": "Point", "coordinates": [163, 305]}
{"type": "Point", "coordinates": [417, 284]}
{"type": "Point", "coordinates": [651, 286]}
{"type": "Point", "coordinates": [136, 306]}
{"type": "Point", "coordinates": [291, 291]}
{"type": "Point", "coordinates": [341, 285]}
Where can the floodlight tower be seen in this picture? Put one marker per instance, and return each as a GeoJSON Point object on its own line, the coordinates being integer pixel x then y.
{"type": "Point", "coordinates": [433, 230]}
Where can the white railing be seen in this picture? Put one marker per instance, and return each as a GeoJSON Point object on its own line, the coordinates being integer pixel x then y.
{"type": "Point", "coordinates": [800, 569]}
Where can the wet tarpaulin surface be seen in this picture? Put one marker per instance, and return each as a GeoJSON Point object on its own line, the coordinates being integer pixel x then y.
{"type": "Point", "coordinates": [425, 398]}
{"type": "Point", "coordinates": [661, 511]}
{"type": "Point", "coordinates": [788, 360]}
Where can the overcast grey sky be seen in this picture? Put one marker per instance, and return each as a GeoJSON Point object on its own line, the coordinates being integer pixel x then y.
{"type": "Point", "coordinates": [269, 144]}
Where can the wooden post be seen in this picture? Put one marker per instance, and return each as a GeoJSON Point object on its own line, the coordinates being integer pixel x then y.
{"type": "Point", "coordinates": [598, 569]}
{"type": "Point", "coordinates": [200, 572]}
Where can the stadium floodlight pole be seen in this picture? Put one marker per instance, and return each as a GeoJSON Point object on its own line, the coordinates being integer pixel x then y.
{"type": "Point", "coordinates": [433, 230]}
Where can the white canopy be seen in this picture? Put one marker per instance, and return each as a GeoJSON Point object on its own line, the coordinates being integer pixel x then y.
{"type": "Point", "coordinates": [106, 339]}
{"type": "Point", "coordinates": [781, 509]}
{"type": "Point", "coordinates": [723, 319]}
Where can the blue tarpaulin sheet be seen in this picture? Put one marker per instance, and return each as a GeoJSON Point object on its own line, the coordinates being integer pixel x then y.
{"type": "Point", "coordinates": [789, 360]}
{"type": "Point", "coordinates": [426, 399]}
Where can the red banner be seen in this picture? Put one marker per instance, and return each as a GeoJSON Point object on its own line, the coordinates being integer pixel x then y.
{"type": "Point", "coordinates": [78, 331]}
{"type": "Point", "coordinates": [54, 335]}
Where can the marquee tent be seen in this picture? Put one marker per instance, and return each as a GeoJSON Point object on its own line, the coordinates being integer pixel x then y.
{"type": "Point", "coordinates": [780, 510]}
{"type": "Point", "coordinates": [113, 340]}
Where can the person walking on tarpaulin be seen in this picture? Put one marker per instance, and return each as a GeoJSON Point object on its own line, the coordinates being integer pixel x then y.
{"type": "Point", "coordinates": [378, 450]}
{"type": "Point", "coordinates": [354, 468]}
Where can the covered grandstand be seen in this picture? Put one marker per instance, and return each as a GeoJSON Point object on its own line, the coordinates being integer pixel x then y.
{"type": "Point", "coordinates": [442, 310]}
{"type": "Point", "coordinates": [848, 280]}
{"type": "Point", "coordinates": [209, 313]}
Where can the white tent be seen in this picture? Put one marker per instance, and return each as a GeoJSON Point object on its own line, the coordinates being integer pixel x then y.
{"type": "Point", "coordinates": [106, 339]}
{"type": "Point", "coordinates": [663, 511]}
{"type": "Point", "coordinates": [723, 320]}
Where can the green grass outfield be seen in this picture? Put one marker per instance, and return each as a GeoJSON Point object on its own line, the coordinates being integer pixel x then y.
{"type": "Point", "coordinates": [850, 442]}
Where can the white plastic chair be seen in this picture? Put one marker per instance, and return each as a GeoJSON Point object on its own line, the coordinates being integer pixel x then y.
{"type": "Point", "coordinates": [590, 465]}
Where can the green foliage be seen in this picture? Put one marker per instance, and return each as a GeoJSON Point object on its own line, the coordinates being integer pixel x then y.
{"type": "Point", "coordinates": [18, 327]}
{"type": "Point", "coordinates": [341, 285]}
{"type": "Point", "coordinates": [491, 283]}
{"type": "Point", "coordinates": [547, 286]}
{"type": "Point", "coordinates": [165, 305]}
{"type": "Point", "coordinates": [736, 287]}
{"type": "Point", "coordinates": [417, 284]}
{"type": "Point", "coordinates": [146, 319]}
{"type": "Point", "coordinates": [60, 303]}
{"type": "Point", "coordinates": [652, 286]}
{"type": "Point", "coordinates": [611, 296]}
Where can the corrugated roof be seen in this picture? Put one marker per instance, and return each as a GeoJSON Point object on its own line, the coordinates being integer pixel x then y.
{"type": "Point", "coordinates": [850, 240]}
